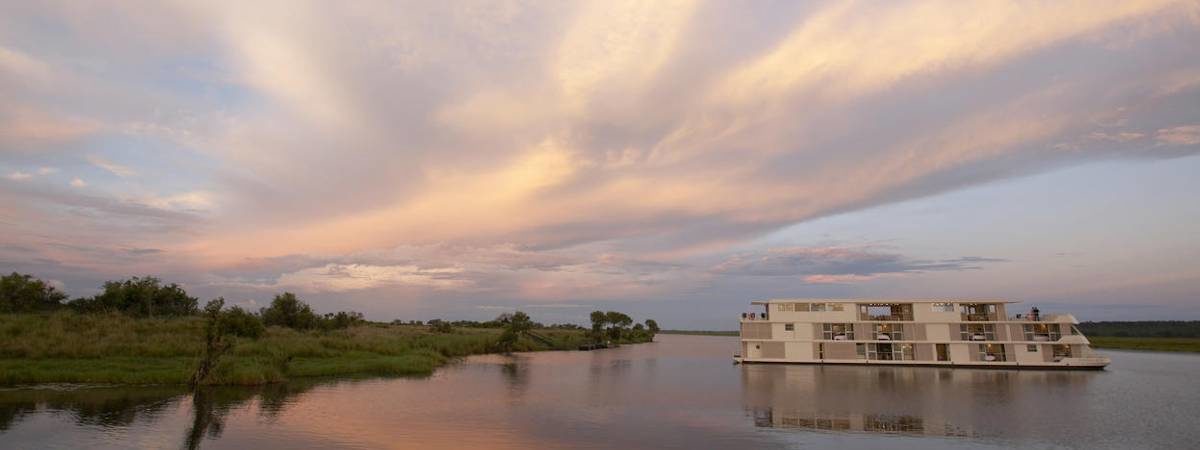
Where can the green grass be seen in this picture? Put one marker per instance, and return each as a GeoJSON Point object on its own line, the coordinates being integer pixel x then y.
{"type": "Point", "coordinates": [66, 347]}
{"type": "Point", "coordinates": [1147, 343]}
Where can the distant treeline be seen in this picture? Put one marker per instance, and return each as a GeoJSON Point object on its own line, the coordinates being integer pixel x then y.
{"type": "Point", "coordinates": [150, 297]}
{"type": "Point", "coordinates": [498, 322]}
{"type": "Point", "coordinates": [701, 332]}
{"type": "Point", "coordinates": [1149, 328]}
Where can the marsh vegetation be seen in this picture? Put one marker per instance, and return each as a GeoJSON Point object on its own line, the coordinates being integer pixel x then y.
{"type": "Point", "coordinates": [140, 331]}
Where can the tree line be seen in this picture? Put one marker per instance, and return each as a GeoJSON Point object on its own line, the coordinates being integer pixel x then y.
{"type": "Point", "coordinates": [150, 297]}
{"type": "Point", "coordinates": [618, 327]}
{"type": "Point", "coordinates": [1148, 328]}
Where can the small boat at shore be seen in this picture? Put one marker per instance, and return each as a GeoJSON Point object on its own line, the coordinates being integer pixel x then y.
{"type": "Point", "coordinates": [957, 333]}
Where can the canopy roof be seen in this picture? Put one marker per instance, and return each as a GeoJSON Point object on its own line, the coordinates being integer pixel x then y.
{"type": "Point", "coordinates": [879, 301]}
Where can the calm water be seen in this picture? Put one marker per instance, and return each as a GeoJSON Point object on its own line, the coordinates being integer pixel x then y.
{"type": "Point", "coordinates": [680, 392]}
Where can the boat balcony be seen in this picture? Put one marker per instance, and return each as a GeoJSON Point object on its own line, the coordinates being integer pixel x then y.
{"type": "Point", "coordinates": [749, 317]}
{"type": "Point", "coordinates": [885, 312]}
{"type": "Point", "coordinates": [979, 312]}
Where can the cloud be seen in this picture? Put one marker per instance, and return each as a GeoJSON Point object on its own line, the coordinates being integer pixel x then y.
{"type": "Point", "coordinates": [111, 167]}
{"type": "Point", "coordinates": [838, 264]}
{"type": "Point", "coordinates": [19, 176]}
{"type": "Point", "coordinates": [346, 277]}
{"type": "Point", "coordinates": [1182, 135]}
{"type": "Point", "coordinates": [556, 151]}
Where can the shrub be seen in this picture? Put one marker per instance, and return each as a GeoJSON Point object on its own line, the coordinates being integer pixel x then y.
{"type": "Point", "coordinates": [239, 322]}
{"type": "Point", "coordinates": [142, 297]}
{"type": "Point", "coordinates": [24, 293]}
{"type": "Point", "coordinates": [440, 326]}
{"type": "Point", "coordinates": [288, 311]}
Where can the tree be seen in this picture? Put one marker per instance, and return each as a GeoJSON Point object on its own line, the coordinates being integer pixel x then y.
{"type": "Point", "coordinates": [652, 326]}
{"type": "Point", "coordinates": [142, 297]}
{"type": "Point", "coordinates": [221, 328]}
{"type": "Point", "coordinates": [599, 319]}
{"type": "Point", "coordinates": [24, 293]}
{"type": "Point", "coordinates": [440, 326]}
{"type": "Point", "coordinates": [515, 325]}
{"type": "Point", "coordinates": [288, 311]}
{"type": "Point", "coordinates": [619, 322]}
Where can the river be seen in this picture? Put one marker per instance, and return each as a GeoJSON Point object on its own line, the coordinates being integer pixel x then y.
{"type": "Point", "coordinates": [679, 392]}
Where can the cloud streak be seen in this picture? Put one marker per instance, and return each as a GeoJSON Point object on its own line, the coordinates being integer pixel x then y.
{"type": "Point", "coordinates": [611, 150]}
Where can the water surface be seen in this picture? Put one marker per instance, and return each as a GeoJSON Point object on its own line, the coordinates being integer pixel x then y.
{"type": "Point", "coordinates": [679, 392]}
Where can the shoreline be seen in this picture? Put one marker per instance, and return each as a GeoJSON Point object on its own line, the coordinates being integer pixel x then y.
{"type": "Point", "coordinates": [70, 348]}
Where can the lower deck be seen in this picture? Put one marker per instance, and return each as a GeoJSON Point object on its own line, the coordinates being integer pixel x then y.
{"type": "Point", "coordinates": [943, 354]}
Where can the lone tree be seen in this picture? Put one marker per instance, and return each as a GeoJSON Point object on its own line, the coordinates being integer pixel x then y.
{"type": "Point", "coordinates": [221, 328]}
{"type": "Point", "coordinates": [288, 311]}
{"type": "Point", "coordinates": [515, 325]}
{"type": "Point", "coordinates": [652, 326]}
{"type": "Point", "coordinates": [23, 293]}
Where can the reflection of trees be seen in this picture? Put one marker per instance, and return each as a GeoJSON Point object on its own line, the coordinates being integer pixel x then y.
{"type": "Point", "coordinates": [211, 404]}
{"type": "Point", "coordinates": [516, 374]}
{"type": "Point", "coordinates": [123, 406]}
{"type": "Point", "coordinates": [106, 407]}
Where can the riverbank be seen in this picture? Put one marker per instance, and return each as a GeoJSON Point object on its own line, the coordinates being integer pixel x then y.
{"type": "Point", "coordinates": [1146, 343]}
{"type": "Point", "coordinates": [66, 347]}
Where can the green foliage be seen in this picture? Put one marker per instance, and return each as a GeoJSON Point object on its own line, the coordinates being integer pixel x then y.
{"type": "Point", "coordinates": [23, 293]}
{"type": "Point", "coordinates": [618, 328]}
{"type": "Point", "coordinates": [288, 311]}
{"type": "Point", "coordinates": [1147, 343]}
{"type": "Point", "coordinates": [1156, 328]}
{"type": "Point", "coordinates": [239, 322]}
{"type": "Point", "coordinates": [341, 320]}
{"type": "Point", "coordinates": [140, 297]}
{"type": "Point", "coordinates": [515, 325]}
{"type": "Point", "coordinates": [69, 347]}
{"type": "Point", "coordinates": [652, 326]}
{"type": "Point", "coordinates": [440, 326]}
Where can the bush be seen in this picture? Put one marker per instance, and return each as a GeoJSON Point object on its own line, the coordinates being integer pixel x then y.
{"type": "Point", "coordinates": [141, 297]}
{"type": "Point", "coordinates": [239, 322]}
{"type": "Point", "coordinates": [440, 326]}
{"type": "Point", "coordinates": [24, 293]}
{"type": "Point", "coordinates": [288, 311]}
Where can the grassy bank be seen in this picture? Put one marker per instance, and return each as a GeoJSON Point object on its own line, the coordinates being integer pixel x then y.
{"type": "Point", "coordinates": [89, 348]}
{"type": "Point", "coordinates": [1147, 343]}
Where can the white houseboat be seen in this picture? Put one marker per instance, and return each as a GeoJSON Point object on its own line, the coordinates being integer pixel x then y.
{"type": "Point", "coordinates": [956, 333]}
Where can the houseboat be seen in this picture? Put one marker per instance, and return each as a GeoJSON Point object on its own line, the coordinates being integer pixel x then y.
{"type": "Point", "coordinates": [975, 333]}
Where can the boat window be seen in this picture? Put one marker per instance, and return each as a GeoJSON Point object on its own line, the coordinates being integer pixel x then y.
{"type": "Point", "coordinates": [789, 327]}
{"type": "Point", "coordinates": [783, 307]}
{"type": "Point", "coordinates": [838, 332]}
{"type": "Point", "coordinates": [802, 307]}
{"type": "Point", "coordinates": [1031, 348]}
{"type": "Point", "coordinates": [818, 307]}
{"type": "Point", "coordinates": [837, 307]}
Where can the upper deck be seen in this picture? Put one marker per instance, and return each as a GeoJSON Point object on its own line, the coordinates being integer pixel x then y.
{"type": "Point", "coordinates": [897, 310]}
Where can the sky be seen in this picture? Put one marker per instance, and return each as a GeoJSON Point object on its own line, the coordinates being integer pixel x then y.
{"type": "Point", "coordinates": [668, 159]}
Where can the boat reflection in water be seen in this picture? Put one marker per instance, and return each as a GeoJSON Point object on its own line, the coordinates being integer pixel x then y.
{"type": "Point", "coordinates": [871, 423]}
{"type": "Point", "coordinates": [918, 401]}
